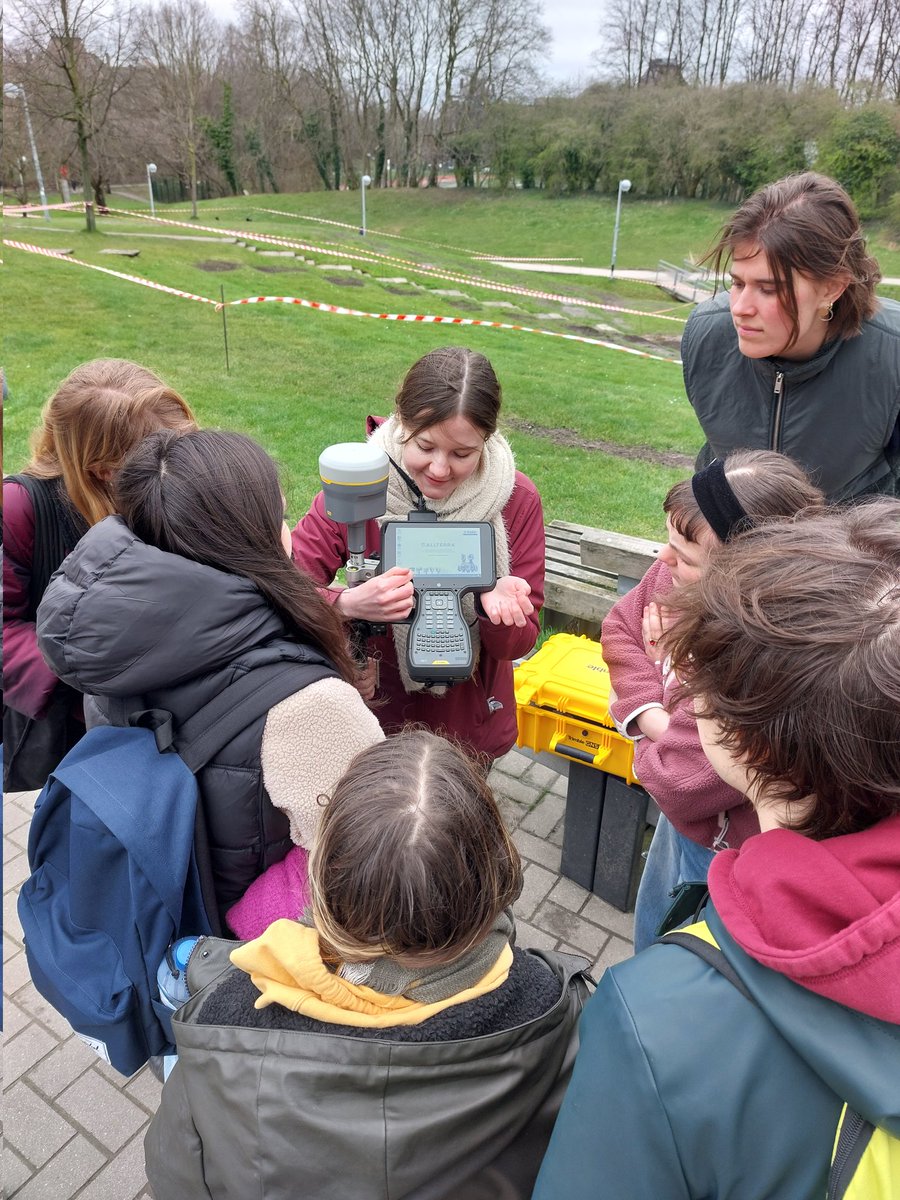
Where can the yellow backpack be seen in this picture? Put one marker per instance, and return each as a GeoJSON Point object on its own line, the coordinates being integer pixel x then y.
{"type": "Point", "coordinates": [865, 1160]}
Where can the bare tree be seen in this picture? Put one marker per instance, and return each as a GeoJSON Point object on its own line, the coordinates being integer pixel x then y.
{"type": "Point", "coordinates": [181, 40]}
{"type": "Point", "coordinates": [86, 48]}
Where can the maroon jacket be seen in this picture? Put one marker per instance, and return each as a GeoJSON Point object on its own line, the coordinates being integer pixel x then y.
{"type": "Point", "coordinates": [481, 712]}
{"type": "Point", "coordinates": [28, 683]}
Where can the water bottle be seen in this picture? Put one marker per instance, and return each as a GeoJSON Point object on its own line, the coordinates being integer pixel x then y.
{"type": "Point", "coordinates": [171, 977]}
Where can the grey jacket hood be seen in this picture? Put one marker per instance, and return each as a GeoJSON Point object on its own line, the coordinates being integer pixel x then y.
{"type": "Point", "coordinates": [121, 618]}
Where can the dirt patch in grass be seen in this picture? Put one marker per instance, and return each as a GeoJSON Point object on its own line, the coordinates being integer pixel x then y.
{"type": "Point", "coordinates": [345, 281]}
{"type": "Point", "coordinates": [276, 270]}
{"type": "Point", "coordinates": [569, 437]}
{"type": "Point", "coordinates": [217, 264]}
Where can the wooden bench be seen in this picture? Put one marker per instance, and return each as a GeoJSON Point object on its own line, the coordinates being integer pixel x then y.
{"type": "Point", "coordinates": [606, 819]}
{"type": "Point", "coordinates": [587, 570]}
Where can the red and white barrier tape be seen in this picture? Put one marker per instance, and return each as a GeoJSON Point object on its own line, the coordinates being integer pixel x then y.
{"type": "Point", "coordinates": [159, 287]}
{"type": "Point", "coordinates": [423, 268]}
{"type": "Point", "coordinates": [419, 318]}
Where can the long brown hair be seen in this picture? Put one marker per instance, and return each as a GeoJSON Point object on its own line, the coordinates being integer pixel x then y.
{"type": "Point", "coordinates": [806, 223]}
{"type": "Point", "coordinates": [765, 483]}
{"type": "Point", "coordinates": [96, 415]}
{"type": "Point", "coordinates": [411, 856]}
{"type": "Point", "coordinates": [790, 641]}
{"type": "Point", "coordinates": [214, 498]}
{"type": "Point", "coordinates": [445, 383]}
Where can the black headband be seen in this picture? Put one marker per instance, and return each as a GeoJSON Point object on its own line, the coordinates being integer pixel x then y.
{"type": "Point", "coordinates": [717, 502]}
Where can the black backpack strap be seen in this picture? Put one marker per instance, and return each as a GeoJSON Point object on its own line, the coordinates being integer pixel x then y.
{"type": "Point", "coordinates": [210, 729]}
{"type": "Point", "coordinates": [710, 954]}
{"type": "Point", "coordinates": [57, 530]}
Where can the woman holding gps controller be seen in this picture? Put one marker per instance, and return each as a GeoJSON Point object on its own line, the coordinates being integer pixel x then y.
{"type": "Point", "coordinates": [443, 438]}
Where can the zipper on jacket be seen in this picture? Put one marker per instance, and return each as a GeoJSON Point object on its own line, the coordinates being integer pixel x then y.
{"type": "Point", "coordinates": [855, 1134]}
{"type": "Point", "coordinates": [778, 400]}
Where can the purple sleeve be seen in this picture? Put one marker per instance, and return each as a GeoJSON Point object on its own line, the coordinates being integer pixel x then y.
{"type": "Point", "coordinates": [28, 683]}
{"type": "Point", "coordinates": [281, 891]}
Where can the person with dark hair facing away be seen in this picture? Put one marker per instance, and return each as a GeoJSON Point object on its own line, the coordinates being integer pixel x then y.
{"type": "Point", "coordinates": [699, 813]}
{"type": "Point", "coordinates": [733, 1085]}
{"type": "Point", "coordinates": [97, 414]}
{"type": "Point", "coordinates": [392, 1042]}
{"type": "Point", "coordinates": [800, 355]}
{"type": "Point", "coordinates": [188, 589]}
{"type": "Point", "coordinates": [446, 452]}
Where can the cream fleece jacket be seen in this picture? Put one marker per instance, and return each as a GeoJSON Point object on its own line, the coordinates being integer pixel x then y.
{"type": "Point", "coordinates": [307, 744]}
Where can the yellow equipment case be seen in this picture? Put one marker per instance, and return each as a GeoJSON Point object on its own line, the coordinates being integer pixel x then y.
{"type": "Point", "coordinates": [562, 705]}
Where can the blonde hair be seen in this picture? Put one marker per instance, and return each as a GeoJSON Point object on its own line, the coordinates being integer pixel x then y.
{"type": "Point", "coordinates": [95, 417]}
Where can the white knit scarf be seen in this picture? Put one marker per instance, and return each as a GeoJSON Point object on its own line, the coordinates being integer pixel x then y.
{"type": "Point", "coordinates": [481, 497]}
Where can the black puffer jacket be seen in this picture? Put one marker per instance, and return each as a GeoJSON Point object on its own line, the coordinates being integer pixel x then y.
{"type": "Point", "coordinates": [137, 628]}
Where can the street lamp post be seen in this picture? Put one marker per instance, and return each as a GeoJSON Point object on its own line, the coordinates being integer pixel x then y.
{"type": "Point", "coordinates": [624, 186]}
{"type": "Point", "coordinates": [151, 170]}
{"type": "Point", "coordinates": [366, 180]}
{"type": "Point", "coordinates": [14, 91]}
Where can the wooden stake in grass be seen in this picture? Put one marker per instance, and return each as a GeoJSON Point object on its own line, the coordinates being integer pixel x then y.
{"type": "Point", "coordinates": [224, 328]}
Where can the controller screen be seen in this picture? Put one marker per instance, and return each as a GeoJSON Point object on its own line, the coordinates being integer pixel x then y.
{"type": "Point", "coordinates": [436, 550]}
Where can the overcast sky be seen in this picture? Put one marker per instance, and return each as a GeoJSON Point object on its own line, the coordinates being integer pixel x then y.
{"type": "Point", "coordinates": [573, 23]}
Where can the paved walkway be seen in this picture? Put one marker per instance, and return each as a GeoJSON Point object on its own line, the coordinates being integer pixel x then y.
{"type": "Point", "coordinates": [74, 1128]}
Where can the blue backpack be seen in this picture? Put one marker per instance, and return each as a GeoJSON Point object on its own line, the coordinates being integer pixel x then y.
{"type": "Point", "coordinates": [120, 868]}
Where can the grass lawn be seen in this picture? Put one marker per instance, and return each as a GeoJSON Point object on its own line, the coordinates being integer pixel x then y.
{"type": "Point", "coordinates": [301, 379]}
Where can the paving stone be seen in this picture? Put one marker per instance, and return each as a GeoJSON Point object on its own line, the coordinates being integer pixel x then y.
{"type": "Point", "coordinates": [14, 1019]}
{"type": "Point", "coordinates": [15, 841]}
{"type": "Point", "coordinates": [144, 1089]}
{"type": "Point", "coordinates": [616, 950]}
{"type": "Point", "coordinates": [18, 812]}
{"type": "Point", "coordinates": [511, 812]}
{"type": "Point", "coordinates": [531, 938]}
{"type": "Point", "coordinates": [43, 1011]}
{"type": "Point", "coordinates": [122, 1178]}
{"type": "Point", "coordinates": [560, 785]}
{"type": "Point", "coordinates": [516, 789]}
{"type": "Point", "coordinates": [62, 1066]}
{"type": "Point", "coordinates": [21, 1052]}
{"type": "Point", "coordinates": [102, 1110]}
{"type": "Point", "coordinates": [16, 1172]}
{"type": "Point", "coordinates": [15, 973]}
{"type": "Point", "coordinates": [602, 913]}
{"type": "Point", "coordinates": [537, 882]}
{"type": "Point", "coordinates": [10, 950]}
{"type": "Point", "coordinates": [12, 926]}
{"type": "Point", "coordinates": [61, 1178]}
{"type": "Point", "coordinates": [512, 763]}
{"type": "Point", "coordinates": [15, 871]}
{"type": "Point", "coordinates": [568, 894]}
{"type": "Point", "coordinates": [556, 835]}
{"type": "Point", "coordinates": [569, 927]}
{"type": "Point", "coordinates": [535, 849]}
{"type": "Point", "coordinates": [541, 775]}
{"type": "Point", "coordinates": [545, 816]}
{"type": "Point", "coordinates": [31, 1127]}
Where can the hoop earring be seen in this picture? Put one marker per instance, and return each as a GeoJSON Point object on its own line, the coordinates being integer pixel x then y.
{"type": "Point", "coordinates": [829, 312]}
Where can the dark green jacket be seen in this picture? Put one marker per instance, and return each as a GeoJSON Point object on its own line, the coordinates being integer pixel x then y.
{"type": "Point", "coordinates": [838, 412]}
{"type": "Point", "coordinates": [288, 1111]}
{"type": "Point", "coordinates": [685, 1089]}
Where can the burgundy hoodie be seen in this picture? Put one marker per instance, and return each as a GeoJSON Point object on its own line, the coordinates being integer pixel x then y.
{"type": "Point", "coordinates": [824, 913]}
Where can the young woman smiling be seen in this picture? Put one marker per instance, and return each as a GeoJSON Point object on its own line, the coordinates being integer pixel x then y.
{"type": "Point", "coordinates": [799, 356]}
{"type": "Point", "coordinates": [443, 435]}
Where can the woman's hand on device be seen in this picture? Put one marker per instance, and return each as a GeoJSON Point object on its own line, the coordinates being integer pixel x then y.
{"type": "Point", "coordinates": [387, 597]}
{"type": "Point", "coordinates": [507, 603]}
